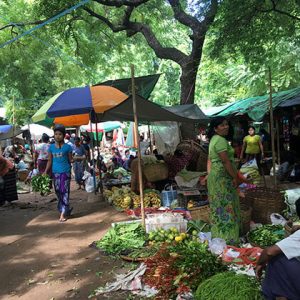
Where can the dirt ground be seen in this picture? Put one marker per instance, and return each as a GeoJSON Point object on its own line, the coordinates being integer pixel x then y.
{"type": "Point", "coordinates": [44, 259]}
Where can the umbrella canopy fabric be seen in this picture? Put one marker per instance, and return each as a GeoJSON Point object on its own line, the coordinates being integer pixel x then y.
{"type": "Point", "coordinates": [72, 107]}
{"type": "Point", "coordinates": [36, 130]}
{"type": "Point", "coordinates": [9, 131]}
{"type": "Point", "coordinates": [104, 126]}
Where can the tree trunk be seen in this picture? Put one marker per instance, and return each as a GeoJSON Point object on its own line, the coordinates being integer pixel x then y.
{"type": "Point", "coordinates": [187, 84]}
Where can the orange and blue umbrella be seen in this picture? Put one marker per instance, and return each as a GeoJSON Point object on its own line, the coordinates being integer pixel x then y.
{"type": "Point", "coordinates": [74, 106]}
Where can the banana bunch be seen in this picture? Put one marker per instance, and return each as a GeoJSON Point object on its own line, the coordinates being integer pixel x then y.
{"type": "Point", "coordinates": [154, 199]}
{"type": "Point", "coordinates": [136, 201]}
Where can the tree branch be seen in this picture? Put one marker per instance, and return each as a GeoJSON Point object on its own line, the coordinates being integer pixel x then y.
{"type": "Point", "coordinates": [119, 3]}
{"type": "Point", "coordinates": [22, 24]}
{"type": "Point", "coordinates": [182, 17]}
{"type": "Point", "coordinates": [134, 27]}
{"type": "Point", "coordinates": [275, 9]}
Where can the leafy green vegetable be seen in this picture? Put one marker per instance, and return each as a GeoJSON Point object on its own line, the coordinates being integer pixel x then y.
{"type": "Point", "coordinates": [228, 285]}
{"type": "Point", "coordinates": [41, 183]}
{"type": "Point", "coordinates": [122, 237]}
{"type": "Point", "coordinates": [198, 225]}
{"type": "Point", "coordinates": [266, 235]}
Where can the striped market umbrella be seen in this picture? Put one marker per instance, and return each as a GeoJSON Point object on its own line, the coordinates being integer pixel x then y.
{"type": "Point", "coordinates": [74, 106]}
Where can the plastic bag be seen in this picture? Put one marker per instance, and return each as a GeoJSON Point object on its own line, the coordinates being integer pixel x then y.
{"type": "Point", "coordinates": [278, 219]}
{"type": "Point", "coordinates": [276, 170]}
{"type": "Point", "coordinates": [89, 182]}
{"type": "Point", "coordinates": [250, 164]}
{"type": "Point", "coordinates": [217, 246]}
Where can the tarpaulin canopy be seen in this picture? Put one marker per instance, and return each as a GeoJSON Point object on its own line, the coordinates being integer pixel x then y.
{"type": "Point", "coordinates": [191, 111]}
{"type": "Point", "coordinates": [258, 107]}
{"type": "Point", "coordinates": [147, 112]}
{"type": "Point", "coordinates": [144, 85]}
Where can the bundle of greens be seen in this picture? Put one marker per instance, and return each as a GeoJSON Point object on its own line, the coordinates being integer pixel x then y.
{"type": "Point", "coordinates": [266, 235]}
{"type": "Point", "coordinates": [122, 237]}
{"type": "Point", "coordinates": [228, 285]}
{"type": "Point", "coordinates": [41, 184]}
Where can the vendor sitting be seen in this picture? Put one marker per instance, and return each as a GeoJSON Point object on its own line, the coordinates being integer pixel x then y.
{"type": "Point", "coordinates": [177, 162]}
{"type": "Point", "coordinates": [283, 267]}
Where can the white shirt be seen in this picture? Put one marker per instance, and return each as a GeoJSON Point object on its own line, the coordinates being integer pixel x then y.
{"type": "Point", "coordinates": [42, 150]}
{"type": "Point", "coordinates": [290, 246]}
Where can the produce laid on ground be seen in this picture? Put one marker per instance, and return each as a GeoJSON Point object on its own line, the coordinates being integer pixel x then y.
{"type": "Point", "coordinates": [228, 285]}
{"type": "Point", "coordinates": [122, 237]}
{"type": "Point", "coordinates": [179, 268]}
{"type": "Point", "coordinates": [266, 235]}
{"type": "Point", "coordinates": [123, 198]}
{"type": "Point", "coordinates": [178, 263]}
{"type": "Point", "coordinates": [41, 184]}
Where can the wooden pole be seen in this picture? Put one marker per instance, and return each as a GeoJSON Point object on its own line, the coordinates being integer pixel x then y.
{"type": "Point", "coordinates": [278, 141]}
{"type": "Point", "coordinates": [92, 156]}
{"type": "Point", "coordinates": [272, 127]}
{"type": "Point", "coordinates": [151, 145]}
{"type": "Point", "coordinates": [98, 157]}
{"type": "Point", "coordinates": [136, 134]}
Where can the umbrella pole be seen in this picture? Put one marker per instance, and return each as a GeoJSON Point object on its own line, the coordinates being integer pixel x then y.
{"type": "Point", "coordinates": [136, 134]}
{"type": "Point", "coordinates": [92, 157]}
{"type": "Point", "coordinates": [98, 155]}
{"type": "Point", "coordinates": [272, 127]}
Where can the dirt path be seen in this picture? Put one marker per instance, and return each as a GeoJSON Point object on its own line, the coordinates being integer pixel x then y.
{"type": "Point", "coordinates": [44, 259]}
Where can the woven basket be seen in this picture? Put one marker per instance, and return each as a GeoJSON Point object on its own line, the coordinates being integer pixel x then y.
{"type": "Point", "coordinates": [265, 201]}
{"type": "Point", "coordinates": [201, 213]}
{"type": "Point", "coordinates": [199, 155]}
{"type": "Point", "coordinates": [246, 216]}
{"type": "Point", "coordinates": [156, 172]}
{"type": "Point", "coordinates": [22, 175]}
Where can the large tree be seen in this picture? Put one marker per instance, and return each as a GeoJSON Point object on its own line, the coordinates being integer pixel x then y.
{"type": "Point", "coordinates": [140, 17]}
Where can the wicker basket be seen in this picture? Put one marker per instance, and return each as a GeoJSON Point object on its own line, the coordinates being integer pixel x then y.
{"type": "Point", "coordinates": [265, 201]}
{"type": "Point", "coordinates": [23, 174]}
{"type": "Point", "coordinates": [199, 155]}
{"type": "Point", "coordinates": [156, 172]}
{"type": "Point", "coordinates": [201, 213]}
{"type": "Point", "coordinates": [246, 216]}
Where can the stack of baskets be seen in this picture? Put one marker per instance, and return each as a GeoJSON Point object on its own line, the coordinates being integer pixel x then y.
{"type": "Point", "coordinates": [199, 155]}
{"type": "Point", "coordinates": [264, 202]}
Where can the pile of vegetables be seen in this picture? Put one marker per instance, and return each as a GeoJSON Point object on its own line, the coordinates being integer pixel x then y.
{"type": "Point", "coordinates": [123, 198]}
{"type": "Point", "coordinates": [179, 268]}
{"type": "Point", "coordinates": [228, 285]}
{"type": "Point", "coordinates": [41, 183]}
{"type": "Point", "coordinates": [151, 159]}
{"type": "Point", "coordinates": [122, 238]}
{"type": "Point", "coordinates": [266, 235]}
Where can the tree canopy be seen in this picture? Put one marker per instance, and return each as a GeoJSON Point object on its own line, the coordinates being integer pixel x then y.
{"type": "Point", "coordinates": [210, 52]}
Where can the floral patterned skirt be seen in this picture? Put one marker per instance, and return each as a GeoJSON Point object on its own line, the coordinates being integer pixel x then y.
{"type": "Point", "coordinates": [224, 205]}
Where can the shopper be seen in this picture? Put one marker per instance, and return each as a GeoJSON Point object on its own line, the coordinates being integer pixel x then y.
{"type": "Point", "coordinates": [222, 182]}
{"type": "Point", "coordinates": [79, 156]}
{"type": "Point", "coordinates": [41, 154]}
{"type": "Point", "coordinates": [282, 263]}
{"type": "Point", "coordinates": [59, 160]}
{"type": "Point", "coordinates": [8, 181]}
{"type": "Point", "coordinates": [252, 146]}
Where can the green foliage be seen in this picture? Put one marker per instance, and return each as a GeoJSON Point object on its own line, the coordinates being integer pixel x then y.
{"type": "Point", "coordinates": [41, 184]}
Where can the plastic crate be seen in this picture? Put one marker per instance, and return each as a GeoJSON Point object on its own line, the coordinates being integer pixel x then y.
{"type": "Point", "coordinates": [165, 221]}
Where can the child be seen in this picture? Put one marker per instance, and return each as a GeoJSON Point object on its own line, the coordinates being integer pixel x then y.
{"type": "Point", "coordinates": [60, 159]}
{"type": "Point", "coordinates": [33, 172]}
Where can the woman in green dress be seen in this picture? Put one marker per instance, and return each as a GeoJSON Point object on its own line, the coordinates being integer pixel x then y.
{"type": "Point", "coordinates": [222, 183]}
